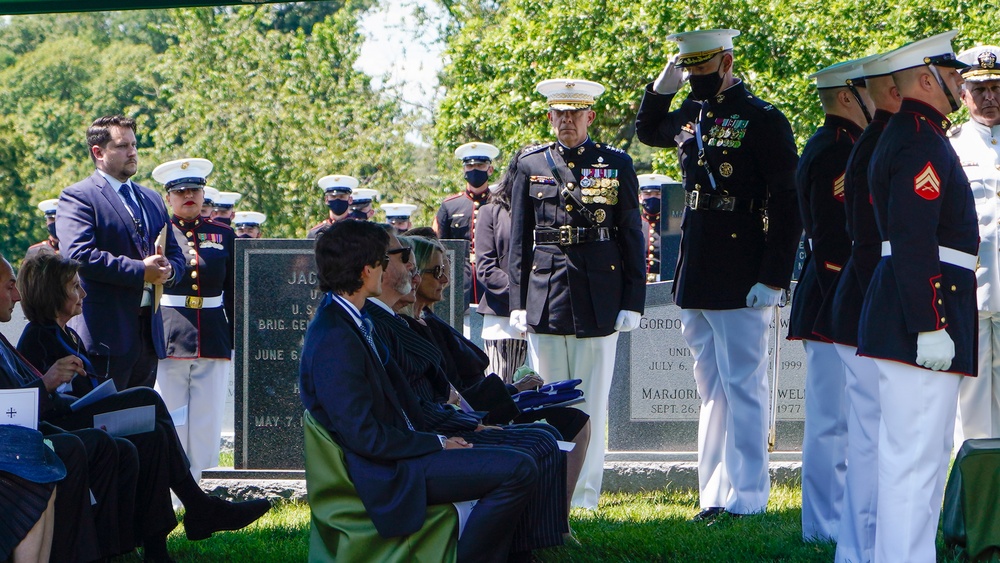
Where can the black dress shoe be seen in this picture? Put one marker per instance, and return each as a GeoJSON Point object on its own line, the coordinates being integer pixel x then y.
{"type": "Point", "coordinates": [219, 515]}
{"type": "Point", "coordinates": [709, 514]}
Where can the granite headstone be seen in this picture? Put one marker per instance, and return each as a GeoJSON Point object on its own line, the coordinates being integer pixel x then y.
{"type": "Point", "coordinates": [654, 402]}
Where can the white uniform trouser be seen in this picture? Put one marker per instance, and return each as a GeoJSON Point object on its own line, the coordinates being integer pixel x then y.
{"type": "Point", "coordinates": [979, 397]}
{"type": "Point", "coordinates": [559, 357]}
{"type": "Point", "coordinates": [824, 442]}
{"type": "Point", "coordinates": [200, 384]}
{"type": "Point", "coordinates": [730, 369]}
{"type": "Point", "coordinates": [856, 538]}
{"type": "Point", "coordinates": [914, 450]}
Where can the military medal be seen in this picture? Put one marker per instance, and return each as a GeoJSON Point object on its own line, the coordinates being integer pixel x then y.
{"type": "Point", "coordinates": [600, 215]}
{"type": "Point", "coordinates": [586, 182]}
{"type": "Point", "coordinates": [726, 169]}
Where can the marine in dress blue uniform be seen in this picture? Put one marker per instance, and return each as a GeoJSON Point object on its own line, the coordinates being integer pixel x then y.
{"type": "Point", "coordinates": [650, 200]}
{"type": "Point", "coordinates": [977, 143]}
{"type": "Point", "coordinates": [337, 189]}
{"type": "Point", "coordinates": [363, 204]}
{"type": "Point", "coordinates": [398, 215]}
{"type": "Point", "coordinates": [838, 322]}
{"type": "Point", "coordinates": [738, 240]}
{"type": "Point", "coordinates": [224, 207]}
{"type": "Point", "coordinates": [197, 315]}
{"type": "Point", "coordinates": [247, 224]}
{"type": "Point", "coordinates": [820, 182]}
{"type": "Point", "coordinates": [456, 219]}
{"type": "Point", "coordinates": [208, 205]}
{"type": "Point", "coordinates": [576, 258]}
{"type": "Point", "coordinates": [919, 316]}
{"type": "Point", "coordinates": [51, 244]}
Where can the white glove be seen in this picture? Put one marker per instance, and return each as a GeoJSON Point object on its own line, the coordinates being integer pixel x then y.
{"type": "Point", "coordinates": [519, 320]}
{"type": "Point", "coordinates": [669, 81]}
{"type": "Point", "coordinates": [761, 296]}
{"type": "Point", "coordinates": [935, 350]}
{"type": "Point", "coordinates": [627, 320]}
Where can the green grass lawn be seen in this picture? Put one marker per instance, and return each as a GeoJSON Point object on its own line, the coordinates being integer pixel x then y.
{"type": "Point", "coordinates": [648, 527]}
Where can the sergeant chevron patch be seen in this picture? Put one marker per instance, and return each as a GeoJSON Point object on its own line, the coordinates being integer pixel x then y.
{"type": "Point", "coordinates": [838, 187]}
{"type": "Point", "coordinates": [927, 184]}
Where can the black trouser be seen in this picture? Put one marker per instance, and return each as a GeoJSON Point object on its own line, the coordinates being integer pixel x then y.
{"type": "Point", "coordinates": [95, 462]}
{"type": "Point", "coordinates": [162, 462]}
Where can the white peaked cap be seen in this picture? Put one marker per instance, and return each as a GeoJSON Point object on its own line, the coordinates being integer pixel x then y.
{"type": "Point", "coordinates": [248, 219]}
{"type": "Point", "coordinates": [185, 171]}
{"type": "Point", "coordinates": [701, 45]}
{"type": "Point", "coordinates": [338, 183]}
{"type": "Point", "coordinates": [569, 93]}
{"type": "Point", "coordinates": [476, 152]}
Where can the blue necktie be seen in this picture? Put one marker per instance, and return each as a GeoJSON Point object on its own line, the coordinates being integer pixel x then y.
{"type": "Point", "coordinates": [128, 193]}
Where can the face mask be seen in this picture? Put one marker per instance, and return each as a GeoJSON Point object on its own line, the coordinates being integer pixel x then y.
{"type": "Point", "coordinates": [476, 178]}
{"type": "Point", "coordinates": [358, 214]}
{"type": "Point", "coordinates": [704, 86]}
{"type": "Point", "coordinates": [337, 206]}
{"type": "Point", "coordinates": [244, 235]}
{"type": "Point", "coordinates": [224, 220]}
{"type": "Point", "coordinates": [651, 205]}
{"type": "Point", "coordinates": [51, 227]}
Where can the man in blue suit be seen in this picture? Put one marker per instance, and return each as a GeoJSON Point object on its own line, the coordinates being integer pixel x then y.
{"type": "Point", "coordinates": [397, 467]}
{"type": "Point", "coordinates": [111, 225]}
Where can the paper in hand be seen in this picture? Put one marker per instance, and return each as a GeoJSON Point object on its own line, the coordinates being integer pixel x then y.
{"type": "Point", "coordinates": [103, 390]}
{"type": "Point", "coordinates": [126, 422]}
{"type": "Point", "coordinates": [19, 407]}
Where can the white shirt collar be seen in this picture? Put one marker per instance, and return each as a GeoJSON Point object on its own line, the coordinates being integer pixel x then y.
{"type": "Point", "coordinates": [115, 182]}
{"type": "Point", "coordinates": [349, 307]}
{"type": "Point", "coordinates": [379, 302]}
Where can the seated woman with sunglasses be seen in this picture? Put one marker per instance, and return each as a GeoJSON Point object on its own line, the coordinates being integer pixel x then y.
{"type": "Point", "coordinates": [464, 364]}
{"type": "Point", "coordinates": [51, 294]}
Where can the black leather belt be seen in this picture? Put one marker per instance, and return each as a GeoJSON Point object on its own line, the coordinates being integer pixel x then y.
{"type": "Point", "coordinates": [701, 201]}
{"type": "Point", "coordinates": [566, 235]}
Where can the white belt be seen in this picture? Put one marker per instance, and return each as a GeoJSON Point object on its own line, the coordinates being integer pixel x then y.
{"type": "Point", "coordinates": [810, 241]}
{"type": "Point", "coordinates": [191, 301]}
{"type": "Point", "coordinates": [946, 255]}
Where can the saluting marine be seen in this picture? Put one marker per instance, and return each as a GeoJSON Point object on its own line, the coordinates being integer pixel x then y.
{"type": "Point", "coordinates": [738, 239]}
{"type": "Point", "coordinates": [51, 244]}
{"type": "Point", "coordinates": [576, 258]}
{"type": "Point", "coordinates": [456, 219]}
{"type": "Point", "coordinates": [820, 182]}
{"type": "Point", "coordinates": [337, 189]}
{"type": "Point", "coordinates": [919, 315]}
{"type": "Point", "coordinates": [650, 200]}
{"type": "Point", "coordinates": [197, 315]}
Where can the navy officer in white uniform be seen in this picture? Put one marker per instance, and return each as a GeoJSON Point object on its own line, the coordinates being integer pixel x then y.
{"type": "Point", "coordinates": [738, 240]}
{"type": "Point", "coordinates": [977, 143]}
{"type": "Point", "coordinates": [919, 317]}
{"type": "Point", "coordinates": [576, 268]}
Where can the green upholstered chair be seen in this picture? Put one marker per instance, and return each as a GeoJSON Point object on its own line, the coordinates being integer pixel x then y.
{"type": "Point", "coordinates": [340, 529]}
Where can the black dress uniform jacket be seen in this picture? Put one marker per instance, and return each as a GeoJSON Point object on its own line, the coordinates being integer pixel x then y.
{"type": "Point", "coordinates": [576, 289]}
{"type": "Point", "coordinates": [456, 219]}
{"type": "Point", "coordinates": [492, 259]}
{"type": "Point", "coordinates": [922, 202]}
{"type": "Point", "coordinates": [820, 182]}
{"type": "Point", "coordinates": [205, 332]}
{"type": "Point", "coordinates": [651, 236]}
{"type": "Point", "coordinates": [841, 312]}
{"type": "Point", "coordinates": [750, 150]}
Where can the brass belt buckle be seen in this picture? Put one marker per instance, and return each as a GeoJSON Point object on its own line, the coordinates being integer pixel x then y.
{"type": "Point", "coordinates": [565, 235]}
{"type": "Point", "coordinates": [193, 302]}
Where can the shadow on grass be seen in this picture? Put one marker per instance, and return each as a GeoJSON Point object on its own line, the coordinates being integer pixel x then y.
{"type": "Point", "coordinates": [280, 536]}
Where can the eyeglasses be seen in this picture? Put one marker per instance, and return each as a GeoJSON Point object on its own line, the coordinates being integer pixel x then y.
{"type": "Point", "coordinates": [384, 262]}
{"type": "Point", "coordinates": [438, 271]}
{"type": "Point", "coordinates": [403, 251]}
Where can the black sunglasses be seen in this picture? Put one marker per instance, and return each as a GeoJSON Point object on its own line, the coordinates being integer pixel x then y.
{"type": "Point", "coordinates": [404, 252]}
{"type": "Point", "coordinates": [437, 271]}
